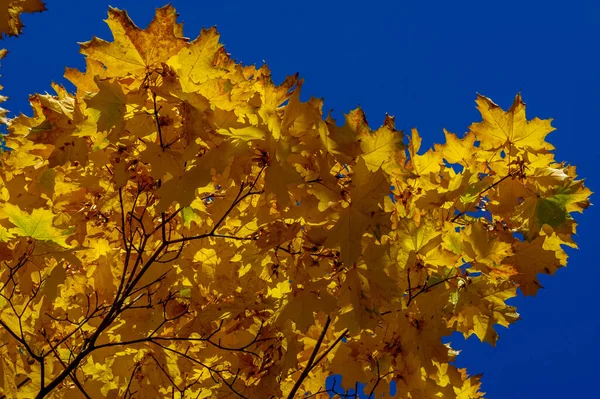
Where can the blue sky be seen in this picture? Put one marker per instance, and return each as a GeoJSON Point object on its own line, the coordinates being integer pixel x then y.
{"type": "Point", "coordinates": [423, 62]}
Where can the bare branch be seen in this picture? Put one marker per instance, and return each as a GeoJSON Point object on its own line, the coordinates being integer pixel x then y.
{"type": "Point", "coordinates": [157, 121]}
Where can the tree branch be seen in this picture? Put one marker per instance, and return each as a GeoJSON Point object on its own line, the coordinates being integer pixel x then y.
{"type": "Point", "coordinates": [311, 360]}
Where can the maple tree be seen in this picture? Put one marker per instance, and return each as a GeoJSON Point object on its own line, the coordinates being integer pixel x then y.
{"type": "Point", "coordinates": [181, 226]}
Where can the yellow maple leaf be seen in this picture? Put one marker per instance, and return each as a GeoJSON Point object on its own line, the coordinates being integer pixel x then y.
{"type": "Point", "coordinates": [484, 248]}
{"type": "Point", "coordinates": [10, 11]}
{"type": "Point", "coordinates": [280, 176]}
{"type": "Point", "coordinates": [481, 305]}
{"type": "Point", "coordinates": [470, 388]}
{"type": "Point", "coordinates": [136, 50]}
{"type": "Point", "coordinates": [302, 303]}
{"type": "Point", "coordinates": [107, 106]}
{"type": "Point", "coordinates": [369, 190]}
{"type": "Point", "coordinates": [380, 146]}
{"type": "Point", "coordinates": [195, 61]}
{"type": "Point", "coordinates": [457, 150]}
{"type": "Point", "coordinates": [530, 259]}
{"type": "Point", "coordinates": [510, 128]}
{"type": "Point", "coordinates": [345, 140]}
{"type": "Point", "coordinates": [426, 166]}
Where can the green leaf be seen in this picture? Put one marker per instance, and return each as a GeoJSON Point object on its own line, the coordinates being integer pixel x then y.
{"type": "Point", "coordinates": [188, 215]}
{"type": "Point", "coordinates": [551, 211]}
{"type": "Point", "coordinates": [36, 225]}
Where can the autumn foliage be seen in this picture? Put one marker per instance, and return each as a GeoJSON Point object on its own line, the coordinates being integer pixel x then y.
{"type": "Point", "coordinates": [10, 14]}
{"type": "Point", "coordinates": [181, 226]}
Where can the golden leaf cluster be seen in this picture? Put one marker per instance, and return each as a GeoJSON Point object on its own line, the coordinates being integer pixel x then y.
{"type": "Point", "coordinates": [181, 226]}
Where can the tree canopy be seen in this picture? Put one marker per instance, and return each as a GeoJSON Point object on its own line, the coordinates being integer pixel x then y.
{"type": "Point", "coordinates": [182, 226]}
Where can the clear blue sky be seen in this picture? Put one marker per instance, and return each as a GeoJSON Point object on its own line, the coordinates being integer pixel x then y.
{"type": "Point", "coordinates": [424, 62]}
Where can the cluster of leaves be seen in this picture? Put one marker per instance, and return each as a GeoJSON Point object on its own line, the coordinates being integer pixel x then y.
{"type": "Point", "coordinates": [181, 226]}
